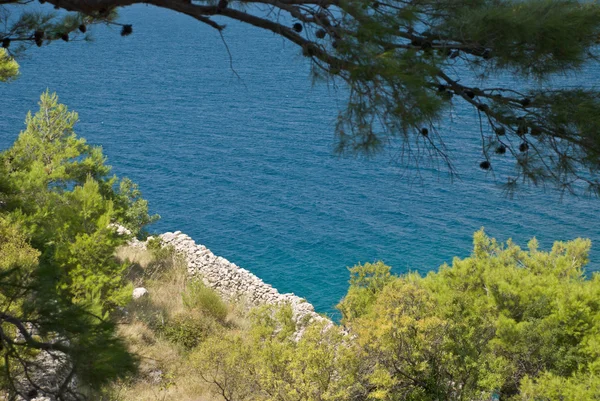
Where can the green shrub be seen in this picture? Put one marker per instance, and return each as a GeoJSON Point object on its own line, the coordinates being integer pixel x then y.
{"type": "Point", "coordinates": [366, 282]}
{"type": "Point", "coordinates": [187, 329]}
{"type": "Point", "coordinates": [521, 324]}
{"type": "Point", "coordinates": [198, 296]}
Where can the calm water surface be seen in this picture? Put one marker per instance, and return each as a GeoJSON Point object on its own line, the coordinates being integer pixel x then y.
{"type": "Point", "coordinates": [246, 166]}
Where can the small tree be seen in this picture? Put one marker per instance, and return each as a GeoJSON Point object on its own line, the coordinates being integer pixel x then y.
{"type": "Point", "coordinates": [59, 279]}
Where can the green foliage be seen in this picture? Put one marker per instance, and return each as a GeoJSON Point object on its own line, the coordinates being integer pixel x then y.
{"type": "Point", "coordinates": [366, 281]}
{"type": "Point", "coordinates": [23, 27]}
{"type": "Point", "coordinates": [552, 387]}
{"type": "Point", "coordinates": [204, 313]}
{"type": "Point", "coordinates": [132, 209]}
{"type": "Point", "coordinates": [59, 277]}
{"type": "Point", "coordinates": [187, 329]}
{"type": "Point", "coordinates": [552, 35]}
{"type": "Point", "coordinates": [270, 322]}
{"type": "Point", "coordinates": [49, 152]}
{"type": "Point", "coordinates": [156, 246]}
{"type": "Point", "coordinates": [52, 168]}
{"type": "Point", "coordinates": [18, 263]}
{"type": "Point", "coordinates": [66, 202]}
{"type": "Point", "coordinates": [225, 363]}
{"type": "Point", "coordinates": [9, 68]}
{"type": "Point", "coordinates": [105, 282]}
{"type": "Point", "coordinates": [268, 363]}
{"type": "Point", "coordinates": [518, 324]}
{"type": "Point", "coordinates": [523, 323]}
{"type": "Point", "coordinates": [30, 301]}
{"type": "Point", "coordinates": [199, 297]}
{"type": "Point", "coordinates": [407, 63]}
{"type": "Point", "coordinates": [16, 251]}
{"type": "Point", "coordinates": [320, 366]}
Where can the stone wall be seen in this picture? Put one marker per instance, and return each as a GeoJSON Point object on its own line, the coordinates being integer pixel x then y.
{"type": "Point", "coordinates": [232, 282]}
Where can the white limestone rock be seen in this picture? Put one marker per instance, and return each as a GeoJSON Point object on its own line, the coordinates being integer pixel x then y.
{"type": "Point", "coordinates": [139, 292]}
{"type": "Point", "coordinates": [120, 229]}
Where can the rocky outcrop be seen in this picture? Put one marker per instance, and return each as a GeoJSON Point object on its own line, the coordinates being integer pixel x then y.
{"type": "Point", "coordinates": [232, 282]}
{"type": "Point", "coordinates": [47, 375]}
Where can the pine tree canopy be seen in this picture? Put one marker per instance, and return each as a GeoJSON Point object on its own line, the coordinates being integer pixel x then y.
{"type": "Point", "coordinates": [60, 283]}
{"type": "Point", "coordinates": [406, 62]}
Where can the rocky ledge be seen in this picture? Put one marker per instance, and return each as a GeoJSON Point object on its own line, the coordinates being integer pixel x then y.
{"type": "Point", "coordinates": [232, 282]}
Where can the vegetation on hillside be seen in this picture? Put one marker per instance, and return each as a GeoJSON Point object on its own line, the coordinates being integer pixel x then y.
{"type": "Point", "coordinates": [165, 326]}
{"type": "Point", "coordinates": [59, 280]}
{"type": "Point", "coordinates": [504, 323]}
{"type": "Point", "coordinates": [524, 325]}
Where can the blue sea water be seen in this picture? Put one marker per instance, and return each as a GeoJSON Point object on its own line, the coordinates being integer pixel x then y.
{"type": "Point", "coordinates": [246, 165]}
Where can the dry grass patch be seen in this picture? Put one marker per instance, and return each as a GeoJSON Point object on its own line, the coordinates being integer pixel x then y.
{"type": "Point", "coordinates": [164, 327]}
{"type": "Point", "coordinates": [164, 371]}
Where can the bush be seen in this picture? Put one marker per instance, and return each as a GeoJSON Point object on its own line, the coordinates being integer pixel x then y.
{"type": "Point", "coordinates": [521, 324]}
{"type": "Point", "coordinates": [198, 296]}
{"type": "Point", "coordinates": [366, 281]}
{"type": "Point", "coordinates": [187, 329]}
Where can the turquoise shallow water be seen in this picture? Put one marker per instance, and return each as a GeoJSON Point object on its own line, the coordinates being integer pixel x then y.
{"type": "Point", "coordinates": [246, 166]}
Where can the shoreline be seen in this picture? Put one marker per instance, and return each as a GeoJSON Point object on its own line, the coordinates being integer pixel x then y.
{"type": "Point", "coordinates": [231, 282]}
